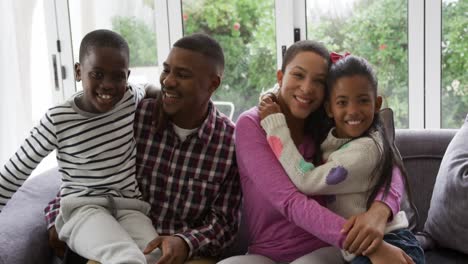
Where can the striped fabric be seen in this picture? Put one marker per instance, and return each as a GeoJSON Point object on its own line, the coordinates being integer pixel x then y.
{"type": "Point", "coordinates": [95, 152]}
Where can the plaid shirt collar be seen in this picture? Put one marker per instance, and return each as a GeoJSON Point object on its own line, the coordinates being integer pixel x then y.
{"type": "Point", "coordinates": [205, 131]}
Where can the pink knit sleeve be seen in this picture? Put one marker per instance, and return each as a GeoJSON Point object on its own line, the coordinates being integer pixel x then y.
{"type": "Point", "coordinates": [395, 193]}
{"type": "Point", "coordinates": [257, 162]}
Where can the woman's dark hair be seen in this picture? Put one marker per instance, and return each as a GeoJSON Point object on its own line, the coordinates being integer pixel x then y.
{"type": "Point", "coordinates": [316, 123]}
{"type": "Point", "coordinates": [352, 66]}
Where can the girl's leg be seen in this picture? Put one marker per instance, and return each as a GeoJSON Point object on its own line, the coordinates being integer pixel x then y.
{"type": "Point", "coordinates": [141, 230]}
{"type": "Point", "coordinates": [323, 255]}
{"type": "Point", "coordinates": [404, 239]}
{"type": "Point", "coordinates": [247, 259]}
{"type": "Point", "coordinates": [93, 233]}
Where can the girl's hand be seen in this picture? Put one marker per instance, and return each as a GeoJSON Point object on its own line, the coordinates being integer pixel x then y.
{"type": "Point", "coordinates": [267, 107]}
{"type": "Point", "coordinates": [365, 231]}
{"type": "Point", "coordinates": [389, 254]}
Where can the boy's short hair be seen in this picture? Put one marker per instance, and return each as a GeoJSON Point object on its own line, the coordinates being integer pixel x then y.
{"type": "Point", "coordinates": [206, 45]}
{"type": "Point", "coordinates": [103, 38]}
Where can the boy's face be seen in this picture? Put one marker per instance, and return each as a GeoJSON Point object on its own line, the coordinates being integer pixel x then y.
{"type": "Point", "coordinates": [104, 72]}
{"type": "Point", "coordinates": [188, 79]}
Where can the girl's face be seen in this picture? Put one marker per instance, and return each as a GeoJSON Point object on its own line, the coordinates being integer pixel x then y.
{"type": "Point", "coordinates": [352, 105]}
{"type": "Point", "coordinates": [302, 84]}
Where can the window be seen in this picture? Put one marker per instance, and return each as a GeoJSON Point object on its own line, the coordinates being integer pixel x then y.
{"type": "Point", "coordinates": [246, 31]}
{"type": "Point", "coordinates": [454, 93]}
{"type": "Point", "coordinates": [134, 20]}
{"type": "Point", "coordinates": [368, 28]}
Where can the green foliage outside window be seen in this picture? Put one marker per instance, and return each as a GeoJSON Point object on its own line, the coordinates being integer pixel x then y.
{"type": "Point", "coordinates": [454, 63]}
{"type": "Point", "coordinates": [246, 31]}
{"type": "Point", "coordinates": [380, 36]}
{"type": "Point", "coordinates": [376, 30]}
{"type": "Point", "coordinates": [141, 40]}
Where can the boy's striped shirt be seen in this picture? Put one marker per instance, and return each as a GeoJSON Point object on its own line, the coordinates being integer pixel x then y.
{"type": "Point", "coordinates": [95, 152]}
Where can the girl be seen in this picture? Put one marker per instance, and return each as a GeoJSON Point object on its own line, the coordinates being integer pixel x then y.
{"type": "Point", "coordinates": [358, 158]}
{"type": "Point", "coordinates": [285, 225]}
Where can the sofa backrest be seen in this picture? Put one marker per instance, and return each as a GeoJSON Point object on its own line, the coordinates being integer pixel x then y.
{"type": "Point", "coordinates": [422, 151]}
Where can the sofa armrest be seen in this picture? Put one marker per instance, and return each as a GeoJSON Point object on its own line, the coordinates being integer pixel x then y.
{"type": "Point", "coordinates": [23, 230]}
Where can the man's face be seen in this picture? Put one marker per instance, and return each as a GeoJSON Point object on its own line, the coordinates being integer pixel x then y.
{"type": "Point", "coordinates": [188, 79]}
{"type": "Point", "coordinates": [104, 72]}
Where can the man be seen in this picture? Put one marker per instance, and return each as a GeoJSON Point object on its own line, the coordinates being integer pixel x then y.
{"type": "Point", "coordinates": [186, 165]}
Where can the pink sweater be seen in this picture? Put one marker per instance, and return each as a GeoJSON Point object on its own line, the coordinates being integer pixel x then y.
{"type": "Point", "coordinates": [284, 224]}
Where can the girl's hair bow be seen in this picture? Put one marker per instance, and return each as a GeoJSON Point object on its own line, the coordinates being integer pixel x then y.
{"type": "Point", "coordinates": [334, 57]}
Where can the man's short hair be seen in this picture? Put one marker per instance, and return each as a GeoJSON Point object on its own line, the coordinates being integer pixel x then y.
{"type": "Point", "coordinates": [206, 45]}
{"type": "Point", "coordinates": [103, 38]}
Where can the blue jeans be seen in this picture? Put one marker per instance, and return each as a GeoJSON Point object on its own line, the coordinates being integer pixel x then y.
{"type": "Point", "coordinates": [401, 238]}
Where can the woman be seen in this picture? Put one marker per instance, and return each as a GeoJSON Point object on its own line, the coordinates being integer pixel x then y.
{"type": "Point", "coordinates": [284, 225]}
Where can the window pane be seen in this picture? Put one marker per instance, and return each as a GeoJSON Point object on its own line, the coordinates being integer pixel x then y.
{"type": "Point", "coordinates": [246, 31]}
{"type": "Point", "coordinates": [133, 19]}
{"type": "Point", "coordinates": [374, 29]}
{"type": "Point", "coordinates": [454, 63]}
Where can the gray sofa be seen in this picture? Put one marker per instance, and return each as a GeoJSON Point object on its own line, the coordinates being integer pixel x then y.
{"type": "Point", "coordinates": [23, 235]}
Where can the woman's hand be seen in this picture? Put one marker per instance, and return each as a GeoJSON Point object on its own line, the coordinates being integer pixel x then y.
{"type": "Point", "coordinates": [389, 254]}
{"type": "Point", "coordinates": [268, 106]}
{"type": "Point", "coordinates": [365, 231]}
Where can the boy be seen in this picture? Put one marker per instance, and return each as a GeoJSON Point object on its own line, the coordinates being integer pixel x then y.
{"type": "Point", "coordinates": [101, 215]}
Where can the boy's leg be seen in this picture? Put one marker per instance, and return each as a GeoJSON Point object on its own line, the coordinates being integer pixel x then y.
{"type": "Point", "coordinates": [323, 255]}
{"type": "Point", "coordinates": [93, 233]}
{"type": "Point", "coordinates": [257, 259]}
{"type": "Point", "coordinates": [140, 229]}
{"type": "Point", "coordinates": [201, 260]}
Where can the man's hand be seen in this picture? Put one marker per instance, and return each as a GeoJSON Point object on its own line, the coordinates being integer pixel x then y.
{"type": "Point", "coordinates": [389, 254]}
{"type": "Point", "coordinates": [55, 243]}
{"type": "Point", "coordinates": [267, 107]}
{"type": "Point", "coordinates": [151, 91]}
{"type": "Point", "coordinates": [366, 231]}
{"type": "Point", "coordinates": [174, 249]}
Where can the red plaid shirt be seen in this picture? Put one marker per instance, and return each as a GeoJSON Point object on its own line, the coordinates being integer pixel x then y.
{"type": "Point", "coordinates": [193, 186]}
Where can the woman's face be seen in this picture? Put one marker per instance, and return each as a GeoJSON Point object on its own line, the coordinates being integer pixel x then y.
{"type": "Point", "coordinates": [302, 84]}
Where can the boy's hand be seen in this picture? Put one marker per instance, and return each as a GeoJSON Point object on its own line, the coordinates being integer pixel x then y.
{"type": "Point", "coordinates": [152, 91]}
{"type": "Point", "coordinates": [55, 243]}
{"type": "Point", "coordinates": [174, 249]}
{"type": "Point", "coordinates": [267, 107]}
{"type": "Point", "coordinates": [365, 231]}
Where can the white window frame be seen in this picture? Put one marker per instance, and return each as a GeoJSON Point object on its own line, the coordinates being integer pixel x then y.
{"type": "Point", "coordinates": [168, 30]}
{"type": "Point", "coordinates": [416, 98]}
{"type": "Point", "coordinates": [424, 68]}
{"type": "Point", "coordinates": [433, 66]}
{"type": "Point", "coordinates": [424, 39]}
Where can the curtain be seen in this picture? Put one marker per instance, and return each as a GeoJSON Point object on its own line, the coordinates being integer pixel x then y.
{"type": "Point", "coordinates": [25, 80]}
{"type": "Point", "coordinates": [15, 99]}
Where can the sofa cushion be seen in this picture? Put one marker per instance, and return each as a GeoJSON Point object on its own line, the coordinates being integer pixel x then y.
{"type": "Point", "coordinates": [446, 222]}
{"type": "Point", "coordinates": [23, 231]}
{"type": "Point", "coordinates": [386, 115]}
{"type": "Point", "coordinates": [422, 151]}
